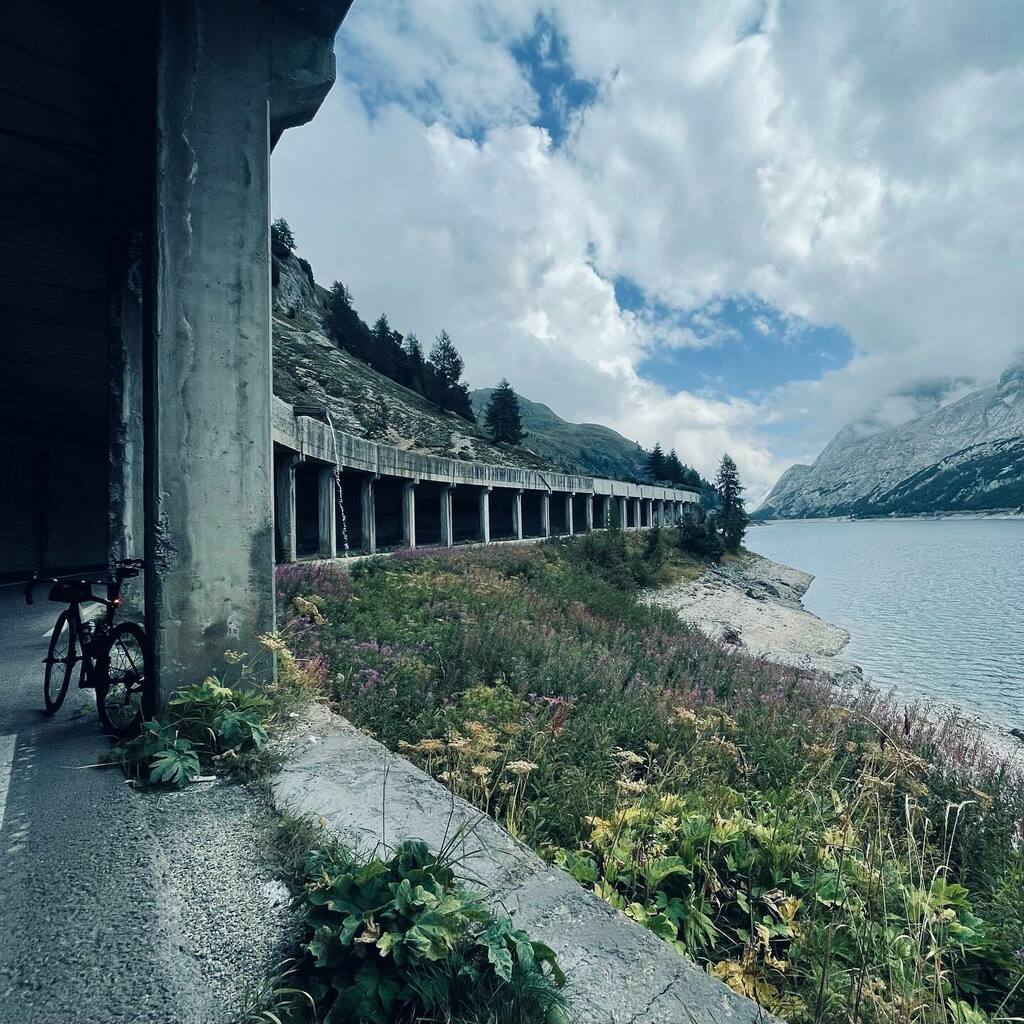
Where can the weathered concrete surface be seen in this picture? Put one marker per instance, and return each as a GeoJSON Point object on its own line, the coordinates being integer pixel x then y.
{"type": "Point", "coordinates": [619, 973]}
{"type": "Point", "coordinates": [230, 77]}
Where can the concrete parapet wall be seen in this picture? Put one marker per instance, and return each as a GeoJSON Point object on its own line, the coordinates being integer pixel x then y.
{"type": "Point", "coordinates": [618, 972]}
{"type": "Point", "coordinates": [312, 438]}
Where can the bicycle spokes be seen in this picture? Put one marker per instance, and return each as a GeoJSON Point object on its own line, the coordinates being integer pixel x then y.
{"type": "Point", "coordinates": [124, 689]}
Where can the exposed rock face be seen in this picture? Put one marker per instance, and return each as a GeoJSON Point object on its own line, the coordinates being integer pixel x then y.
{"type": "Point", "coordinates": [310, 368]}
{"type": "Point", "coordinates": [755, 605]}
{"type": "Point", "coordinates": [967, 456]}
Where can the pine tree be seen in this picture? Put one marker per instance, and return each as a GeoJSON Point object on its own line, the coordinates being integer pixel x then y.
{"type": "Point", "coordinates": [417, 364]}
{"type": "Point", "coordinates": [732, 517]}
{"type": "Point", "coordinates": [344, 323]}
{"type": "Point", "coordinates": [656, 463]}
{"type": "Point", "coordinates": [503, 418]}
{"type": "Point", "coordinates": [452, 393]}
{"type": "Point", "coordinates": [674, 469]}
{"type": "Point", "coordinates": [282, 241]}
{"type": "Point", "coordinates": [381, 330]}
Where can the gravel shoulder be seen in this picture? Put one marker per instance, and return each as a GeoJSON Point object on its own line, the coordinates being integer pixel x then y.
{"type": "Point", "coordinates": [756, 604]}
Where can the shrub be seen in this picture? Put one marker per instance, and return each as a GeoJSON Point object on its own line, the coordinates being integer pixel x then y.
{"type": "Point", "coordinates": [399, 940]}
{"type": "Point", "coordinates": [282, 241]}
{"type": "Point", "coordinates": [202, 726]}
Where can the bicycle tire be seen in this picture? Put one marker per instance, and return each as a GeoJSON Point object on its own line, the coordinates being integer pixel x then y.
{"type": "Point", "coordinates": [125, 694]}
{"type": "Point", "coordinates": [56, 689]}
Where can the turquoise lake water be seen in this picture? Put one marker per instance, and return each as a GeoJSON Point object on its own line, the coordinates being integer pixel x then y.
{"type": "Point", "coordinates": [934, 608]}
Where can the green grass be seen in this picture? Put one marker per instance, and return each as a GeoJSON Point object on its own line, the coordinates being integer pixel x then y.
{"type": "Point", "coordinates": [817, 850]}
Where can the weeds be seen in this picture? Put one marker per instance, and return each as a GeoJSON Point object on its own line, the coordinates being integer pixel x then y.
{"type": "Point", "coordinates": [396, 939]}
{"type": "Point", "coordinates": [819, 850]}
{"type": "Point", "coordinates": [212, 726]}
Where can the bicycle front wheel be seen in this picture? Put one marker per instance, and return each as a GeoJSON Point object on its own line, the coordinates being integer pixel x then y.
{"type": "Point", "coordinates": [60, 662]}
{"type": "Point", "coordinates": [125, 695]}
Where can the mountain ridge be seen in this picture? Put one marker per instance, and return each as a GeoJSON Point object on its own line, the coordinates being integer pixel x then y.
{"type": "Point", "coordinates": [310, 367]}
{"type": "Point", "coordinates": [591, 448]}
{"type": "Point", "coordinates": [965, 456]}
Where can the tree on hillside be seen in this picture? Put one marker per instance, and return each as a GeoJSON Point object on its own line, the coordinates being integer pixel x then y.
{"type": "Point", "coordinates": [732, 518]}
{"type": "Point", "coordinates": [674, 469]}
{"type": "Point", "coordinates": [344, 324]}
{"type": "Point", "coordinates": [282, 241]}
{"type": "Point", "coordinates": [503, 417]}
{"type": "Point", "coordinates": [656, 463]}
{"type": "Point", "coordinates": [387, 356]}
{"type": "Point", "coordinates": [452, 394]}
{"type": "Point", "coordinates": [418, 372]}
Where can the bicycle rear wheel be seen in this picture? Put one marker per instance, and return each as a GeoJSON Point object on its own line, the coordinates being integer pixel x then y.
{"type": "Point", "coordinates": [60, 662]}
{"type": "Point", "coordinates": [125, 695]}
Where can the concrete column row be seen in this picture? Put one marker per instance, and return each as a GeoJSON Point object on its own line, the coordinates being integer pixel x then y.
{"type": "Point", "coordinates": [646, 512]}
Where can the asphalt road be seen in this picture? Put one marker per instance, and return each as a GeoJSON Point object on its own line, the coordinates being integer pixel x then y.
{"type": "Point", "coordinates": [88, 934]}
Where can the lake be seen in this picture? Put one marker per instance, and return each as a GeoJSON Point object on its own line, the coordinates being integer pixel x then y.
{"type": "Point", "coordinates": [934, 607]}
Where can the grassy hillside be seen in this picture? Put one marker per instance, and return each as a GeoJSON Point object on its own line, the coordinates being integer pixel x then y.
{"type": "Point", "coordinates": [584, 447]}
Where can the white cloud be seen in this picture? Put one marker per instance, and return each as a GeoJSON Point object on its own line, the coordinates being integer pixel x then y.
{"type": "Point", "coordinates": [852, 165]}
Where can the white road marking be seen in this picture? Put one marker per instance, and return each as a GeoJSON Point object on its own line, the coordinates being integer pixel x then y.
{"type": "Point", "coordinates": [7, 744]}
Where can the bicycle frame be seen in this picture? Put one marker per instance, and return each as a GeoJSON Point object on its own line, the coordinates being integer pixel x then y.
{"type": "Point", "coordinates": [87, 639]}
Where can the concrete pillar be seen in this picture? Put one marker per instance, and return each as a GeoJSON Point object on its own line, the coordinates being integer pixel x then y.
{"type": "Point", "coordinates": [661, 514]}
{"type": "Point", "coordinates": [649, 512]}
{"type": "Point", "coordinates": [284, 500]}
{"type": "Point", "coordinates": [209, 454]}
{"type": "Point", "coordinates": [229, 77]}
{"type": "Point", "coordinates": [637, 513]}
{"type": "Point", "coordinates": [369, 506]}
{"type": "Point", "coordinates": [447, 528]}
{"type": "Point", "coordinates": [409, 513]}
{"type": "Point", "coordinates": [545, 514]}
{"type": "Point", "coordinates": [126, 491]}
{"type": "Point", "coordinates": [589, 512]}
{"type": "Point", "coordinates": [623, 514]}
{"type": "Point", "coordinates": [328, 508]}
{"type": "Point", "coordinates": [568, 514]}
{"type": "Point", "coordinates": [607, 520]}
{"type": "Point", "coordinates": [517, 515]}
{"type": "Point", "coordinates": [485, 515]}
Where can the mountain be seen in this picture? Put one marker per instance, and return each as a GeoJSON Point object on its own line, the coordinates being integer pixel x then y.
{"type": "Point", "coordinates": [966, 456]}
{"type": "Point", "coordinates": [310, 368]}
{"type": "Point", "coordinates": [582, 447]}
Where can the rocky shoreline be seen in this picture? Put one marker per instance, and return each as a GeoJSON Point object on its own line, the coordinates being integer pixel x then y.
{"type": "Point", "coordinates": [756, 605]}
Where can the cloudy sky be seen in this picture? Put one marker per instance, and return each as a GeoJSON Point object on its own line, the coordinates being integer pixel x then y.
{"type": "Point", "coordinates": [725, 225]}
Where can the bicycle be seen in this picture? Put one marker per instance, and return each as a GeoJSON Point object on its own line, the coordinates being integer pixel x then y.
{"type": "Point", "coordinates": [115, 659]}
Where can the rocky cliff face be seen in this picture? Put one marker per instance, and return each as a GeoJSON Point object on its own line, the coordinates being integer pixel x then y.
{"type": "Point", "coordinates": [310, 368]}
{"type": "Point", "coordinates": [967, 456]}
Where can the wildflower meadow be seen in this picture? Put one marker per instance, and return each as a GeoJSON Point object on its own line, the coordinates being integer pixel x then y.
{"type": "Point", "coordinates": [827, 852]}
